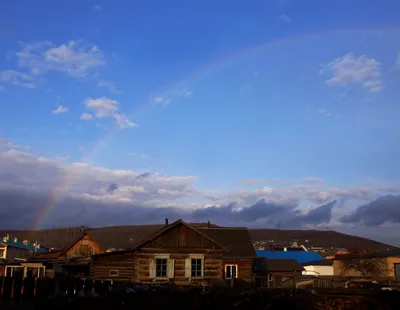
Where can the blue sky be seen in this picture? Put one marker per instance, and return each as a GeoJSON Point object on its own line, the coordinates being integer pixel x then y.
{"type": "Point", "coordinates": [234, 94]}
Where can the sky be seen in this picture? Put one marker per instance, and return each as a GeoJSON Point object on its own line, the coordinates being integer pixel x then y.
{"type": "Point", "coordinates": [260, 113]}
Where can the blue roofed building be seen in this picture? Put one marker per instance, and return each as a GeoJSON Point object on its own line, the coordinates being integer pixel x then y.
{"type": "Point", "coordinates": [299, 256]}
{"type": "Point", "coordinates": [11, 249]}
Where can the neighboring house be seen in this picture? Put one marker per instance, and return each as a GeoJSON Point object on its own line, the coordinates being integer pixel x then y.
{"type": "Point", "coordinates": [299, 256]}
{"type": "Point", "coordinates": [375, 264]}
{"type": "Point", "coordinates": [322, 267]}
{"type": "Point", "coordinates": [277, 271]}
{"type": "Point", "coordinates": [239, 254]}
{"type": "Point", "coordinates": [178, 253]}
{"type": "Point", "coordinates": [13, 252]}
{"type": "Point", "coordinates": [74, 259]}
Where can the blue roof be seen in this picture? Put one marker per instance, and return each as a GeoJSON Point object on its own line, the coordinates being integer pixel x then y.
{"type": "Point", "coordinates": [21, 245]}
{"type": "Point", "coordinates": [300, 256]}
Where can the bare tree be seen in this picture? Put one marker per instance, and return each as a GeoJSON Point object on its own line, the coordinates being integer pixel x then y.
{"type": "Point", "coordinates": [367, 267]}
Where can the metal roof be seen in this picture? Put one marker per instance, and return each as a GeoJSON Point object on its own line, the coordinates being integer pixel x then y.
{"type": "Point", "coordinates": [299, 256]}
{"type": "Point", "coordinates": [21, 245]}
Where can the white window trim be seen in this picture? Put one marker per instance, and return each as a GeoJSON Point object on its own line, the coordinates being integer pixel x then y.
{"type": "Point", "coordinates": [161, 256]}
{"type": "Point", "coordinates": [4, 252]}
{"type": "Point", "coordinates": [193, 256]}
{"type": "Point", "coordinates": [113, 270]}
{"type": "Point", "coordinates": [231, 265]}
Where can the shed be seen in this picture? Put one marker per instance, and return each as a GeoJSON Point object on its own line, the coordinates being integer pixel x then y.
{"type": "Point", "coordinates": [322, 267]}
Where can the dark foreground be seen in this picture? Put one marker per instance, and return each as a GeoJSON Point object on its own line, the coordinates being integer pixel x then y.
{"type": "Point", "coordinates": [195, 299]}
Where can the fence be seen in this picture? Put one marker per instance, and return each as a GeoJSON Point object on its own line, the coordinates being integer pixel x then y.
{"type": "Point", "coordinates": [27, 289]}
{"type": "Point", "coordinates": [322, 282]}
{"type": "Point", "coordinates": [18, 289]}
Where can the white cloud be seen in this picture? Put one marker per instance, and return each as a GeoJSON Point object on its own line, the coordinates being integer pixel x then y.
{"type": "Point", "coordinates": [102, 107]}
{"type": "Point", "coordinates": [324, 112]}
{"type": "Point", "coordinates": [73, 58]}
{"type": "Point", "coordinates": [350, 70]}
{"type": "Point", "coordinates": [157, 99]}
{"type": "Point", "coordinates": [110, 86]}
{"type": "Point", "coordinates": [17, 78]}
{"type": "Point", "coordinates": [106, 107]}
{"type": "Point", "coordinates": [139, 155]}
{"type": "Point", "coordinates": [59, 110]}
{"type": "Point", "coordinates": [86, 116]}
{"type": "Point", "coordinates": [312, 179]}
{"type": "Point", "coordinates": [285, 18]}
{"type": "Point", "coordinates": [97, 8]}
{"type": "Point", "coordinates": [167, 100]}
{"type": "Point", "coordinates": [186, 93]}
{"type": "Point", "coordinates": [94, 196]}
{"type": "Point", "coordinates": [7, 144]}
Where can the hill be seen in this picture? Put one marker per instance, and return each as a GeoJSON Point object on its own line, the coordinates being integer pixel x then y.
{"type": "Point", "coordinates": [62, 237]}
{"type": "Point", "coordinates": [318, 237]}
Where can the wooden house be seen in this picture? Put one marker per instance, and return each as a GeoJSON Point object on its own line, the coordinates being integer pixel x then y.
{"type": "Point", "coordinates": [178, 253]}
{"type": "Point", "coordinates": [74, 259]}
{"type": "Point", "coordinates": [239, 254]}
{"type": "Point", "coordinates": [273, 272]}
{"type": "Point", "coordinates": [384, 264]}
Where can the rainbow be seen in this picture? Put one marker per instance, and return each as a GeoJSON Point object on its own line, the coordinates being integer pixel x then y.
{"type": "Point", "coordinates": [57, 194]}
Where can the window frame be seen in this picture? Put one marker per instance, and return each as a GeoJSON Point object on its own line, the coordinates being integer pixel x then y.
{"type": "Point", "coordinates": [226, 271]}
{"type": "Point", "coordinates": [156, 275]}
{"type": "Point", "coordinates": [202, 270]}
{"type": "Point", "coordinates": [116, 271]}
{"type": "Point", "coordinates": [199, 272]}
{"type": "Point", "coordinates": [4, 249]}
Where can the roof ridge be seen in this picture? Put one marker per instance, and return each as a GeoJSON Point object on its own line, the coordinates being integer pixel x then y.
{"type": "Point", "coordinates": [224, 228]}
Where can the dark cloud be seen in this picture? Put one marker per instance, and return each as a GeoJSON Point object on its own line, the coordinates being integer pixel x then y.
{"type": "Point", "coordinates": [112, 188]}
{"type": "Point", "coordinates": [82, 194]}
{"type": "Point", "coordinates": [21, 209]}
{"type": "Point", "coordinates": [266, 213]}
{"type": "Point", "coordinates": [322, 214]}
{"type": "Point", "coordinates": [385, 209]}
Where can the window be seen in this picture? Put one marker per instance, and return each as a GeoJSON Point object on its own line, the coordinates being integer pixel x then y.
{"type": "Point", "coordinates": [161, 267]}
{"type": "Point", "coordinates": [113, 273]}
{"type": "Point", "coordinates": [397, 271]}
{"type": "Point", "coordinates": [230, 271]}
{"type": "Point", "coordinates": [2, 252]}
{"type": "Point", "coordinates": [196, 267]}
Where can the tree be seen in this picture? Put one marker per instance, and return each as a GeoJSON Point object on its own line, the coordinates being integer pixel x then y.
{"type": "Point", "coordinates": [367, 267]}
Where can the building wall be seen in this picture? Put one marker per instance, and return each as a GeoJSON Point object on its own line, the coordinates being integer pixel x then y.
{"type": "Point", "coordinates": [86, 241]}
{"type": "Point", "coordinates": [318, 270]}
{"type": "Point", "coordinates": [245, 268]}
{"type": "Point", "coordinates": [390, 272]}
{"type": "Point", "coordinates": [123, 263]}
{"type": "Point", "coordinates": [178, 246]}
{"type": "Point", "coordinates": [179, 266]}
{"type": "Point", "coordinates": [12, 253]}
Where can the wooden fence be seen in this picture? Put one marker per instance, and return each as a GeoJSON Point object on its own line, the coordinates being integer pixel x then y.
{"type": "Point", "coordinates": [25, 290]}
{"type": "Point", "coordinates": [18, 289]}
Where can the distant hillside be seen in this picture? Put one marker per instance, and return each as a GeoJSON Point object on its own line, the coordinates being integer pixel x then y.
{"type": "Point", "coordinates": [318, 237]}
{"type": "Point", "coordinates": [62, 237]}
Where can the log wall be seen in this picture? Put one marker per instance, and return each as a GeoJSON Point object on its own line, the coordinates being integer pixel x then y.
{"type": "Point", "coordinates": [104, 266]}
{"type": "Point", "coordinates": [245, 267]}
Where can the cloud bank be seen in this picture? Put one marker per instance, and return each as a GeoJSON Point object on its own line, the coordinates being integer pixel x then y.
{"type": "Point", "coordinates": [81, 194]}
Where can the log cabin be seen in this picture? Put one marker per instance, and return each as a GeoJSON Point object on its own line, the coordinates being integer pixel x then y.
{"type": "Point", "coordinates": [239, 254]}
{"type": "Point", "coordinates": [74, 259]}
{"type": "Point", "coordinates": [274, 272]}
{"type": "Point", "coordinates": [178, 253]}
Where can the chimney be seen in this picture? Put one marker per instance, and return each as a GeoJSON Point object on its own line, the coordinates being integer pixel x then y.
{"type": "Point", "coordinates": [166, 222]}
{"type": "Point", "coordinates": [208, 224]}
{"type": "Point", "coordinates": [6, 237]}
{"type": "Point", "coordinates": [25, 242]}
{"type": "Point", "coordinates": [15, 239]}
